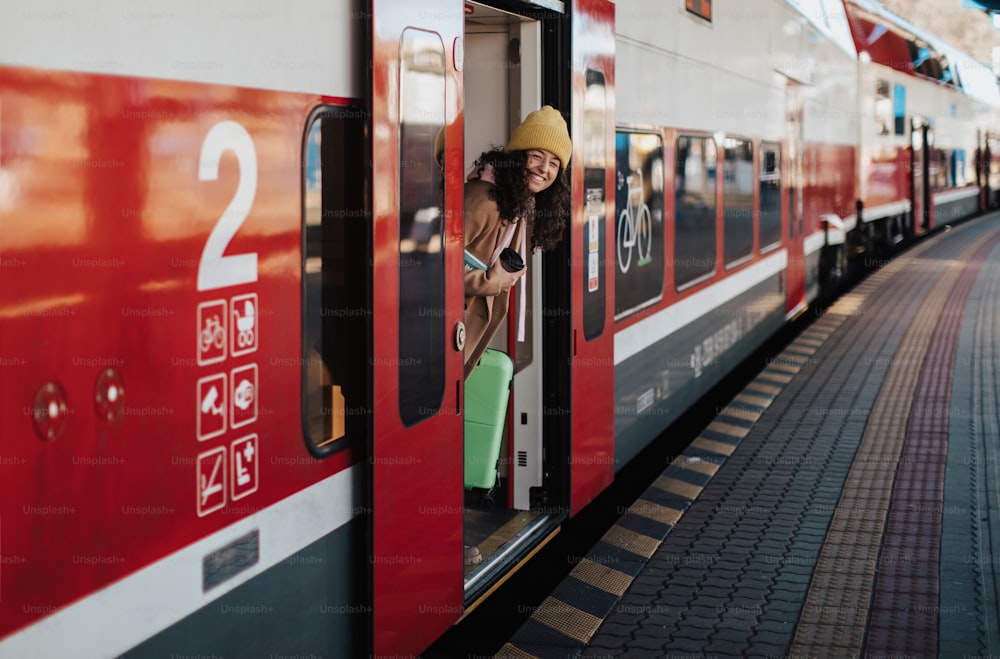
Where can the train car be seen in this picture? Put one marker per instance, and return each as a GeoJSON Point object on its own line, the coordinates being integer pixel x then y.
{"type": "Point", "coordinates": [926, 114]}
{"type": "Point", "coordinates": [231, 418]}
{"type": "Point", "coordinates": [755, 159]}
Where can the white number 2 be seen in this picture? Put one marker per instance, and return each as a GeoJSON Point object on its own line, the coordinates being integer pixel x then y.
{"type": "Point", "coordinates": [216, 270]}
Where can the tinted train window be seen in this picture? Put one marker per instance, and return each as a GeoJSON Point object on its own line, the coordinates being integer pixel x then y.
{"type": "Point", "coordinates": [639, 221]}
{"type": "Point", "coordinates": [595, 164]}
{"type": "Point", "coordinates": [694, 215]}
{"type": "Point", "coordinates": [421, 258]}
{"type": "Point", "coordinates": [770, 195]}
{"type": "Point", "coordinates": [737, 200]}
{"type": "Point", "coordinates": [336, 280]}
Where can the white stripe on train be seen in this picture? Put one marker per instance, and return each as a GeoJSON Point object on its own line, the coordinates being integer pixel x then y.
{"type": "Point", "coordinates": [128, 612]}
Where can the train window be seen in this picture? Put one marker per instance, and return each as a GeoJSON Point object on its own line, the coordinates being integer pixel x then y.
{"type": "Point", "coordinates": [336, 280]}
{"type": "Point", "coordinates": [937, 170]}
{"type": "Point", "coordinates": [770, 195]}
{"type": "Point", "coordinates": [883, 108]}
{"type": "Point", "coordinates": [422, 340]}
{"type": "Point", "coordinates": [899, 108]}
{"type": "Point", "coordinates": [737, 200]}
{"type": "Point", "coordinates": [702, 8]}
{"type": "Point", "coordinates": [595, 164]}
{"type": "Point", "coordinates": [694, 215]}
{"type": "Point", "coordinates": [639, 222]}
{"type": "Point", "coordinates": [961, 168]}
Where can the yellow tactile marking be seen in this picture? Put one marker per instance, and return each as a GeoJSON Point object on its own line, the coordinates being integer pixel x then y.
{"type": "Point", "coordinates": [656, 512]}
{"type": "Point", "coordinates": [752, 399]}
{"type": "Point", "coordinates": [566, 619]}
{"type": "Point", "coordinates": [686, 490]}
{"type": "Point", "coordinates": [764, 388]}
{"type": "Point", "coordinates": [637, 543]}
{"type": "Point", "coordinates": [602, 577]}
{"type": "Point", "coordinates": [770, 374]}
{"type": "Point", "coordinates": [791, 359]}
{"type": "Point", "coordinates": [742, 413]}
{"type": "Point", "coordinates": [692, 463]}
{"type": "Point", "coordinates": [511, 651]}
{"type": "Point", "coordinates": [784, 366]}
{"type": "Point", "coordinates": [728, 429]}
{"type": "Point", "coordinates": [859, 520]}
{"type": "Point", "coordinates": [721, 448]}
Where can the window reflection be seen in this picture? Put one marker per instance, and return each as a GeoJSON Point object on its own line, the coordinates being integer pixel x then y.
{"type": "Point", "coordinates": [737, 201]}
{"type": "Point", "coordinates": [421, 217]}
{"type": "Point", "coordinates": [336, 276]}
{"type": "Point", "coordinates": [770, 195]}
{"type": "Point", "coordinates": [695, 204]}
{"type": "Point", "coordinates": [639, 221]}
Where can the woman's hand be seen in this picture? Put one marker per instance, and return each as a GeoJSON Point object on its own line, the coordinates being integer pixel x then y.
{"type": "Point", "coordinates": [506, 279]}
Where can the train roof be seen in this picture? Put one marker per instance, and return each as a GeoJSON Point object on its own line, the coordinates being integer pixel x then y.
{"type": "Point", "coordinates": [893, 41]}
{"type": "Point", "coordinates": [830, 18]}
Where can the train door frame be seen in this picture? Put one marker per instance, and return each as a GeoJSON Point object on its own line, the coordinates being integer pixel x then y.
{"type": "Point", "coordinates": [414, 476]}
{"type": "Point", "coordinates": [592, 257]}
{"type": "Point", "coordinates": [497, 94]}
{"type": "Point", "coordinates": [920, 198]}
{"type": "Point", "coordinates": [796, 269]}
{"type": "Point", "coordinates": [514, 65]}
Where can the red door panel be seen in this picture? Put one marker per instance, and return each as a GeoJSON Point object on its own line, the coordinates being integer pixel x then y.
{"type": "Point", "coordinates": [592, 463]}
{"type": "Point", "coordinates": [416, 454]}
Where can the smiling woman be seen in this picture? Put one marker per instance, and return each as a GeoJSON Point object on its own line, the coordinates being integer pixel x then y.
{"type": "Point", "coordinates": [512, 193]}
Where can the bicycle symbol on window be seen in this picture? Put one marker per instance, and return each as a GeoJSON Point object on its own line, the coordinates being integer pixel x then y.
{"type": "Point", "coordinates": [635, 225]}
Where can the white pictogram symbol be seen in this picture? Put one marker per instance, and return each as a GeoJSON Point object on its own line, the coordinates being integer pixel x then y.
{"type": "Point", "coordinates": [211, 332]}
{"type": "Point", "coordinates": [211, 401]}
{"type": "Point", "coordinates": [244, 456]}
{"type": "Point", "coordinates": [244, 396]}
{"type": "Point", "coordinates": [244, 338]}
{"type": "Point", "coordinates": [211, 481]}
{"type": "Point", "coordinates": [244, 466]}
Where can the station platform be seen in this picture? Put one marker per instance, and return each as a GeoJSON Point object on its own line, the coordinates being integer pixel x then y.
{"type": "Point", "coordinates": [845, 504]}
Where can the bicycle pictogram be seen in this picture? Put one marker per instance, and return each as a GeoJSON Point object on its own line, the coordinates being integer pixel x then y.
{"type": "Point", "coordinates": [213, 334]}
{"type": "Point", "coordinates": [635, 225]}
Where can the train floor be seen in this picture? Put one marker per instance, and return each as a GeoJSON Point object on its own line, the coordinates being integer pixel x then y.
{"type": "Point", "coordinates": [846, 503]}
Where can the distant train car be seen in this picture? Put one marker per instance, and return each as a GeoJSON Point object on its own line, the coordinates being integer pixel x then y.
{"type": "Point", "coordinates": [230, 285]}
{"type": "Point", "coordinates": [927, 113]}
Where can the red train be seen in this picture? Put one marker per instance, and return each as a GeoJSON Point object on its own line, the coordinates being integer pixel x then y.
{"type": "Point", "coordinates": [230, 284]}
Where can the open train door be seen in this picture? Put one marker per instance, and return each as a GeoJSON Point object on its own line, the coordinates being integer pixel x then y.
{"type": "Point", "coordinates": [592, 457]}
{"type": "Point", "coordinates": [415, 459]}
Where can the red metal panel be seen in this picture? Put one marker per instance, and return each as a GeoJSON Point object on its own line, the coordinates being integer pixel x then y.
{"type": "Point", "coordinates": [102, 312]}
{"type": "Point", "coordinates": [592, 365]}
{"type": "Point", "coordinates": [416, 472]}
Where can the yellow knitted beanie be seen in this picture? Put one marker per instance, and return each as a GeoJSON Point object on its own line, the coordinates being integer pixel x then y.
{"type": "Point", "coordinates": [543, 129]}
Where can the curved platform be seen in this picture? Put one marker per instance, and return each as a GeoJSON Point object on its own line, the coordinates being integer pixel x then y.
{"type": "Point", "coordinates": [846, 503]}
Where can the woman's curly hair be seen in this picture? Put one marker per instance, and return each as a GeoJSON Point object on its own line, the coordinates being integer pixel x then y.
{"type": "Point", "coordinates": [545, 212]}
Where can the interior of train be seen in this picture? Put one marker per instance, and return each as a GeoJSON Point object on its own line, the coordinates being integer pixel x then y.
{"type": "Point", "coordinates": [502, 73]}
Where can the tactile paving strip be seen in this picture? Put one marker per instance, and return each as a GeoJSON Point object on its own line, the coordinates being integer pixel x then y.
{"type": "Point", "coordinates": [906, 605]}
{"type": "Point", "coordinates": [908, 560]}
{"type": "Point", "coordinates": [660, 510]}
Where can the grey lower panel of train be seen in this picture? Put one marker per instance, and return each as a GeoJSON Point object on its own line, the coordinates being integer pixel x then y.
{"type": "Point", "coordinates": [658, 384]}
{"type": "Point", "coordinates": [310, 604]}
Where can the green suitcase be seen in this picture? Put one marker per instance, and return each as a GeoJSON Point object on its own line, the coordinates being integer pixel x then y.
{"type": "Point", "coordinates": [487, 390]}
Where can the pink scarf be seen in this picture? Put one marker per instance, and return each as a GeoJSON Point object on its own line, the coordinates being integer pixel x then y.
{"type": "Point", "coordinates": [487, 175]}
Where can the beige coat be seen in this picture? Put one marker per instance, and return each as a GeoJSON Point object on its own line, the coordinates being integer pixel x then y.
{"type": "Point", "coordinates": [485, 305]}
